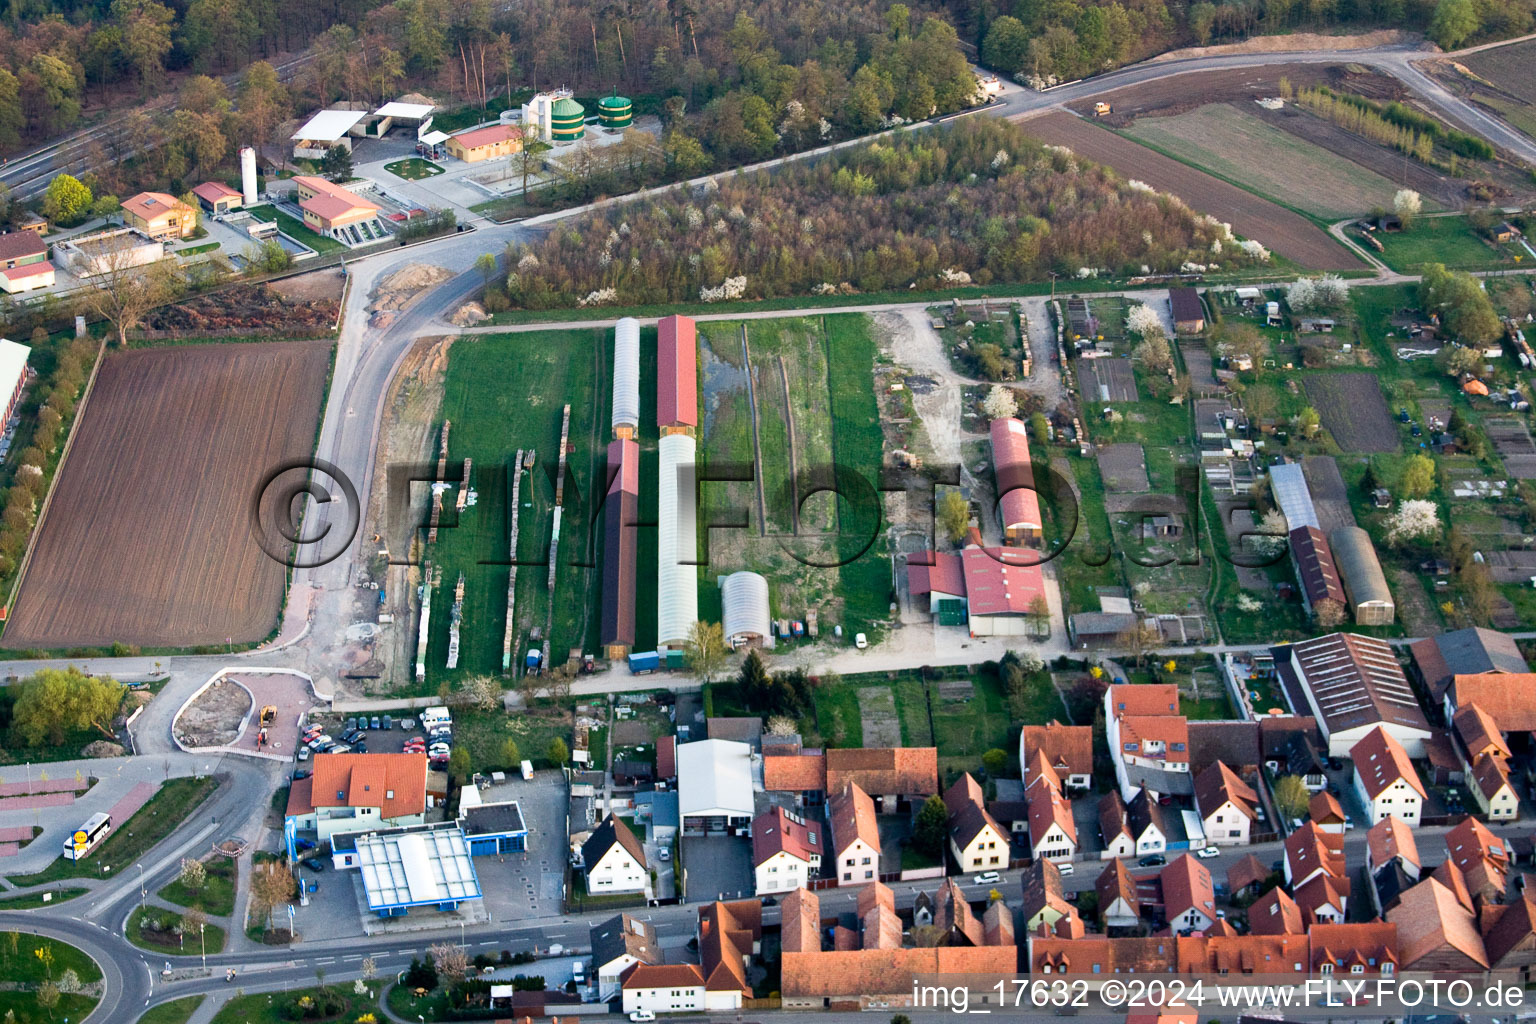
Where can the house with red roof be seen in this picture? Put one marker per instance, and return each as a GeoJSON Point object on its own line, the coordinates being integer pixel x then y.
{"type": "Point", "coordinates": [1068, 749]}
{"type": "Point", "coordinates": [1148, 739]}
{"type": "Point", "coordinates": [330, 209]}
{"type": "Point", "coordinates": [976, 840]}
{"type": "Point", "coordinates": [1385, 779]}
{"type": "Point", "coordinates": [855, 840]}
{"type": "Point", "coordinates": [1189, 894]}
{"type": "Point", "coordinates": [786, 850]}
{"type": "Point", "coordinates": [1018, 501]}
{"type": "Point", "coordinates": [217, 198]}
{"type": "Point", "coordinates": [1226, 805]}
{"type": "Point", "coordinates": [662, 988]}
{"type": "Point", "coordinates": [677, 374]}
{"type": "Point", "coordinates": [359, 792]}
{"type": "Point", "coordinates": [997, 591]}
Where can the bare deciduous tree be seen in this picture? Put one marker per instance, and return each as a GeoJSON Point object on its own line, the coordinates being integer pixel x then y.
{"type": "Point", "coordinates": [122, 291]}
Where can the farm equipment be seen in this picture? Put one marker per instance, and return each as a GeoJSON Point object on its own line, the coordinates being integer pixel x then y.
{"type": "Point", "coordinates": [268, 714]}
{"type": "Point", "coordinates": [1101, 109]}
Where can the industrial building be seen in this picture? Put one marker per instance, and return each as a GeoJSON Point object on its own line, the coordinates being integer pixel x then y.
{"type": "Point", "coordinates": [715, 785]}
{"type": "Point", "coordinates": [13, 374]}
{"type": "Point", "coordinates": [217, 198]}
{"type": "Point", "coordinates": [677, 598]}
{"type": "Point", "coordinates": [487, 143]}
{"type": "Point", "coordinates": [1018, 502]}
{"type": "Point", "coordinates": [744, 610]}
{"type": "Point", "coordinates": [110, 251]}
{"type": "Point", "coordinates": [554, 117]}
{"type": "Point", "coordinates": [1352, 684]}
{"type": "Point", "coordinates": [993, 590]}
{"type": "Point", "coordinates": [626, 377]}
{"type": "Point", "coordinates": [326, 129]}
{"type": "Point", "coordinates": [677, 374]}
{"type": "Point", "coordinates": [329, 209]}
{"type": "Point", "coordinates": [1370, 600]}
{"type": "Point", "coordinates": [398, 113]}
{"type": "Point", "coordinates": [423, 866]}
{"type": "Point", "coordinates": [621, 511]}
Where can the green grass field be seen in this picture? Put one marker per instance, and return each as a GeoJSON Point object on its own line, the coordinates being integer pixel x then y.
{"type": "Point", "coordinates": [217, 896]}
{"type": "Point", "coordinates": [491, 421]}
{"type": "Point", "coordinates": [1246, 150]}
{"type": "Point", "coordinates": [1447, 240]}
{"type": "Point", "coordinates": [413, 168]}
{"type": "Point", "coordinates": [282, 1007]}
{"type": "Point", "coordinates": [35, 899]}
{"type": "Point", "coordinates": [212, 934]}
{"type": "Point", "coordinates": [295, 229]}
{"type": "Point", "coordinates": [22, 971]}
{"type": "Point", "coordinates": [130, 840]}
{"type": "Point", "coordinates": [177, 1011]}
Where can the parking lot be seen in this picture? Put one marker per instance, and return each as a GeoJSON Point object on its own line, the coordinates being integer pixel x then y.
{"type": "Point", "coordinates": [717, 867]}
{"type": "Point", "coordinates": [524, 885]}
{"type": "Point", "coordinates": [378, 734]}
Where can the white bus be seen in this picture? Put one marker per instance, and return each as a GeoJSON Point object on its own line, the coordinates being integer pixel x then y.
{"type": "Point", "coordinates": [88, 836]}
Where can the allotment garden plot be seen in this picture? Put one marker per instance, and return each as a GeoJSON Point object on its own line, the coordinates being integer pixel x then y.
{"type": "Point", "coordinates": [148, 539]}
{"type": "Point", "coordinates": [1354, 411]}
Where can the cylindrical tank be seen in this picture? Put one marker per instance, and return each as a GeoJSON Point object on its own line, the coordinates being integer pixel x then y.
{"type": "Point", "coordinates": [248, 174]}
{"type": "Point", "coordinates": [567, 120]}
{"type": "Point", "coordinates": [615, 112]}
{"type": "Point", "coordinates": [626, 374]}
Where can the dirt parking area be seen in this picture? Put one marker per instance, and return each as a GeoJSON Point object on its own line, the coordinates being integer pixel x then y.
{"type": "Point", "coordinates": [213, 719]}
{"type": "Point", "coordinates": [1289, 234]}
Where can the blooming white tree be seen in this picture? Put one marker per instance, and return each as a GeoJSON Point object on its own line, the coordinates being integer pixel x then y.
{"type": "Point", "coordinates": [1407, 204]}
{"type": "Point", "coordinates": [1310, 294]}
{"type": "Point", "coordinates": [1143, 320]}
{"type": "Point", "coordinates": [999, 403]}
{"type": "Point", "coordinates": [1415, 519]}
{"type": "Point", "coordinates": [1255, 250]}
{"type": "Point", "coordinates": [730, 288]}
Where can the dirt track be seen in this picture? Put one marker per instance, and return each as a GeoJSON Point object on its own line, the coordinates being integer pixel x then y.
{"type": "Point", "coordinates": [148, 539]}
{"type": "Point", "coordinates": [1287, 233]}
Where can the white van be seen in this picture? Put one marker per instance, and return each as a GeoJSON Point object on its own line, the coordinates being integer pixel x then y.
{"type": "Point", "coordinates": [435, 716]}
{"type": "Point", "coordinates": [578, 972]}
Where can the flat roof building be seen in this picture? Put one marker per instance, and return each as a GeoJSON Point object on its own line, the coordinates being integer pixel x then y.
{"type": "Point", "coordinates": [715, 785]}
{"type": "Point", "coordinates": [13, 374]}
{"type": "Point", "coordinates": [326, 129]}
{"type": "Point", "coordinates": [405, 868]}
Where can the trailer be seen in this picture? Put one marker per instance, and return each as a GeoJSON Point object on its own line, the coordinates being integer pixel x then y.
{"type": "Point", "coordinates": [644, 663]}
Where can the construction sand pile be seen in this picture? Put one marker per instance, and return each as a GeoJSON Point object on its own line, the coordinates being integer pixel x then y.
{"type": "Point", "coordinates": [396, 291]}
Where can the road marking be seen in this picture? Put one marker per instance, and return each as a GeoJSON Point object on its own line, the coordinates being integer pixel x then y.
{"type": "Point", "coordinates": [325, 960]}
{"type": "Point", "coordinates": [404, 952]}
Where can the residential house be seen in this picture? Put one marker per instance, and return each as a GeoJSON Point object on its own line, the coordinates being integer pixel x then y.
{"type": "Point", "coordinates": [729, 935]}
{"type": "Point", "coordinates": [1385, 779]}
{"type": "Point", "coordinates": [1145, 815]}
{"type": "Point", "coordinates": [1148, 738]}
{"type": "Point", "coordinates": [1226, 805]}
{"type": "Point", "coordinates": [786, 851]}
{"type": "Point", "coordinates": [1235, 744]}
{"type": "Point", "coordinates": [976, 840]}
{"type": "Point", "coordinates": [1390, 841]}
{"type": "Point", "coordinates": [614, 860]}
{"type": "Point", "coordinates": [1436, 932]}
{"type": "Point", "coordinates": [1272, 955]}
{"type": "Point", "coordinates": [358, 793]}
{"type": "Point", "coordinates": [957, 924]}
{"type": "Point", "coordinates": [1119, 902]}
{"type": "Point", "coordinates": [1296, 746]}
{"type": "Point", "coordinates": [1508, 698]}
{"type": "Point", "coordinates": [1325, 811]}
{"type": "Point", "coordinates": [1189, 895]}
{"type": "Point", "coordinates": [1097, 955]}
{"type": "Point", "coordinates": [662, 988]}
{"type": "Point", "coordinates": [1115, 826]}
{"type": "Point", "coordinates": [21, 248]}
{"type": "Point", "coordinates": [617, 944]}
{"type": "Point", "coordinates": [880, 925]}
{"type": "Point", "coordinates": [1052, 832]}
{"type": "Point", "coordinates": [1482, 858]}
{"type": "Point", "coordinates": [159, 215]}
{"type": "Point", "coordinates": [1470, 651]}
{"type": "Point", "coordinates": [1353, 684]}
{"type": "Point", "coordinates": [1068, 749]}
{"type": "Point", "coordinates": [1316, 872]}
{"type": "Point", "coordinates": [1247, 875]}
{"type": "Point", "coordinates": [855, 836]}
{"type": "Point", "coordinates": [1509, 937]}
{"type": "Point", "coordinates": [1492, 789]}
{"type": "Point", "coordinates": [1484, 757]}
{"type": "Point", "coordinates": [1354, 949]}
{"type": "Point", "coordinates": [1045, 900]}
{"type": "Point", "coordinates": [896, 778]}
{"type": "Point", "coordinates": [1275, 913]}
{"type": "Point", "coordinates": [1187, 311]}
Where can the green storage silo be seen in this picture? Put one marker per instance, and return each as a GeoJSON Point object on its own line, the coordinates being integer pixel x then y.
{"type": "Point", "coordinates": [615, 112]}
{"type": "Point", "coordinates": [567, 120]}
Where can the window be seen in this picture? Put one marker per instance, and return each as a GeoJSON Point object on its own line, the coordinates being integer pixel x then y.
{"type": "Point", "coordinates": [866, 860]}
{"type": "Point", "coordinates": [869, 874]}
{"type": "Point", "coordinates": [773, 870]}
{"type": "Point", "coordinates": [1327, 969]}
{"type": "Point", "coordinates": [850, 862]}
{"type": "Point", "coordinates": [1357, 969]}
{"type": "Point", "coordinates": [847, 876]}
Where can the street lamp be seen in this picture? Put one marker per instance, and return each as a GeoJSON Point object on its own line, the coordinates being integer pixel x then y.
{"type": "Point", "coordinates": [204, 939]}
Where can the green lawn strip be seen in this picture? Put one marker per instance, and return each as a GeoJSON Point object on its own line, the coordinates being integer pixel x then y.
{"type": "Point", "coordinates": [1088, 564]}
{"type": "Point", "coordinates": [413, 169]}
{"type": "Point", "coordinates": [177, 1011]}
{"type": "Point", "coordinates": [131, 839]}
{"type": "Point", "coordinates": [20, 963]}
{"type": "Point", "coordinates": [33, 900]}
{"type": "Point", "coordinates": [283, 1007]}
{"type": "Point", "coordinates": [912, 706]}
{"type": "Point", "coordinates": [217, 896]}
{"type": "Point", "coordinates": [964, 730]}
{"type": "Point", "coordinates": [191, 945]}
{"type": "Point", "coordinates": [837, 715]}
{"type": "Point", "coordinates": [405, 1005]}
{"type": "Point", "coordinates": [23, 1003]}
{"type": "Point", "coordinates": [295, 229]}
{"type": "Point", "coordinates": [582, 901]}
{"type": "Point", "coordinates": [484, 734]}
{"type": "Point", "coordinates": [197, 249]}
{"type": "Point", "coordinates": [1447, 240]}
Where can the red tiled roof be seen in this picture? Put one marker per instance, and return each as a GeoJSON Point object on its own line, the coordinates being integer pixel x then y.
{"type": "Point", "coordinates": [1319, 892]}
{"type": "Point", "coordinates": [1508, 697]}
{"type": "Point", "coordinates": [1019, 502]}
{"type": "Point", "coordinates": [1172, 730]}
{"type": "Point", "coordinates": [953, 916]}
{"type": "Point", "coordinates": [1391, 837]}
{"type": "Point", "coordinates": [332, 207]}
{"type": "Point", "coordinates": [777, 831]}
{"type": "Point", "coordinates": [1243, 954]}
{"type": "Point", "coordinates": [1324, 808]}
{"type": "Point", "coordinates": [882, 928]}
{"type": "Point", "coordinates": [1187, 885]}
{"type": "Point", "coordinates": [1246, 872]}
{"type": "Point", "coordinates": [1477, 731]}
{"type": "Point", "coordinates": [1491, 774]}
{"type": "Point", "coordinates": [647, 976]}
{"type": "Point", "coordinates": [997, 925]}
{"type": "Point", "coordinates": [1380, 761]}
{"type": "Point", "coordinates": [800, 917]}
{"type": "Point", "coordinates": [876, 894]}
{"type": "Point", "coordinates": [1429, 920]}
{"type": "Point", "coordinates": [794, 772]}
{"type": "Point", "coordinates": [1047, 808]}
{"type": "Point", "coordinates": [16, 245]}
{"type": "Point", "coordinates": [213, 191]}
{"type": "Point", "coordinates": [27, 270]}
{"type": "Point", "coordinates": [886, 972]}
{"type": "Point", "coordinates": [1144, 699]}
{"type": "Point", "coordinates": [935, 572]}
{"type": "Point", "coordinates": [1068, 748]}
{"type": "Point", "coordinates": [852, 814]}
{"type": "Point", "coordinates": [395, 783]}
{"type": "Point", "coordinates": [1219, 785]}
{"type": "Point", "coordinates": [909, 771]}
{"type": "Point", "coordinates": [1309, 848]}
{"type": "Point", "coordinates": [727, 932]}
{"type": "Point", "coordinates": [666, 757]}
{"type": "Point", "coordinates": [149, 205]}
{"type": "Point", "coordinates": [621, 543]}
{"type": "Point", "coordinates": [300, 798]}
{"type": "Point", "coordinates": [1369, 944]}
{"type": "Point", "coordinates": [1275, 913]}
{"type": "Point", "coordinates": [1095, 954]}
{"type": "Point", "coordinates": [677, 374]}
{"type": "Point", "coordinates": [1001, 581]}
{"type": "Point", "coordinates": [489, 136]}
{"type": "Point", "coordinates": [968, 814]}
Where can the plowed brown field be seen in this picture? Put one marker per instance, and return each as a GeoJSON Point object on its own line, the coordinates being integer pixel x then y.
{"type": "Point", "coordinates": [1289, 234]}
{"type": "Point", "coordinates": [148, 539]}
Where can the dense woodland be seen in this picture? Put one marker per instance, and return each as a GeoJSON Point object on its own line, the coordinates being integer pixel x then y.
{"type": "Point", "coordinates": [976, 200]}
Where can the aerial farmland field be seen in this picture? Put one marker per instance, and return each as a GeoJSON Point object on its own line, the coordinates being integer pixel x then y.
{"type": "Point", "coordinates": [1354, 411]}
{"type": "Point", "coordinates": [1287, 233]}
{"type": "Point", "coordinates": [1236, 145]}
{"type": "Point", "coordinates": [148, 538]}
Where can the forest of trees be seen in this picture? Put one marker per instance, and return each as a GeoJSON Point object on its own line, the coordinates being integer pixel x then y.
{"type": "Point", "coordinates": [976, 200]}
{"type": "Point", "coordinates": [1066, 39]}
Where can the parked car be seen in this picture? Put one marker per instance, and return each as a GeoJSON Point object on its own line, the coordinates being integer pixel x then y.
{"type": "Point", "coordinates": [641, 1016]}
{"type": "Point", "coordinates": [770, 901]}
{"type": "Point", "coordinates": [351, 723]}
{"type": "Point", "coordinates": [303, 753]}
{"type": "Point", "coordinates": [339, 748]}
{"type": "Point", "coordinates": [314, 864]}
{"type": "Point", "coordinates": [389, 723]}
{"type": "Point", "coordinates": [301, 773]}
{"type": "Point", "coordinates": [373, 723]}
{"type": "Point", "coordinates": [1152, 860]}
{"type": "Point", "coordinates": [319, 741]}
{"type": "Point", "coordinates": [860, 641]}
{"type": "Point", "coordinates": [1209, 852]}
{"type": "Point", "coordinates": [1296, 823]}
{"type": "Point", "coordinates": [1064, 868]}
{"type": "Point", "coordinates": [407, 724]}
{"type": "Point", "coordinates": [987, 878]}
{"type": "Point", "coordinates": [665, 854]}
{"type": "Point", "coordinates": [352, 736]}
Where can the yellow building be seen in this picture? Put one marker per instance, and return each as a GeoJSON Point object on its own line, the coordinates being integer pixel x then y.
{"type": "Point", "coordinates": [160, 216]}
{"type": "Point", "coordinates": [328, 207]}
{"type": "Point", "coordinates": [486, 143]}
